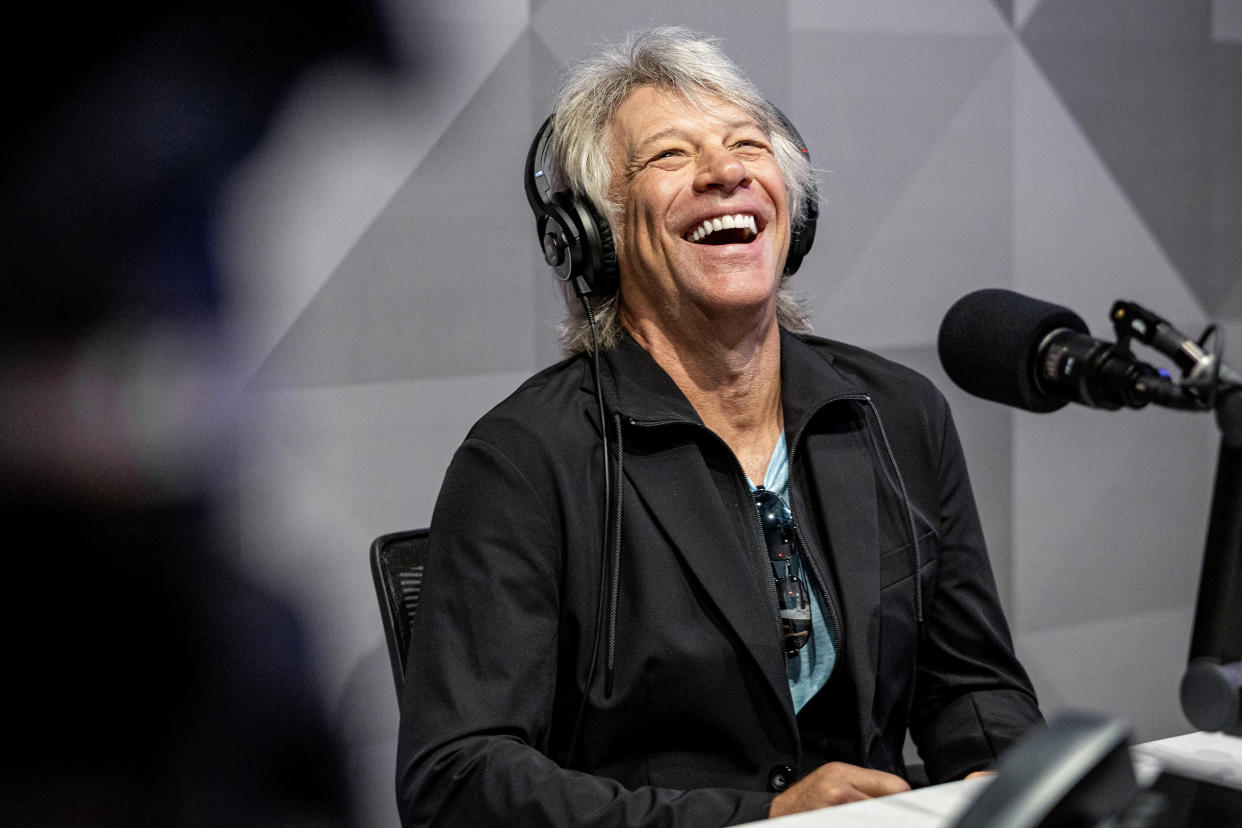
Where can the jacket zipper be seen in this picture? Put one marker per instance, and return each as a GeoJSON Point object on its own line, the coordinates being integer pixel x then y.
{"type": "Point", "coordinates": [834, 620]}
{"type": "Point", "coordinates": [830, 600]}
{"type": "Point", "coordinates": [756, 524]}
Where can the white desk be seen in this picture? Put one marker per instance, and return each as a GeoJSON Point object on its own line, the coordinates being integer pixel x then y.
{"type": "Point", "coordinates": [1209, 756]}
{"type": "Point", "coordinates": [1212, 757]}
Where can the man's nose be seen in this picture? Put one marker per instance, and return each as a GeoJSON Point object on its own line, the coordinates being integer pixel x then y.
{"type": "Point", "coordinates": [722, 170]}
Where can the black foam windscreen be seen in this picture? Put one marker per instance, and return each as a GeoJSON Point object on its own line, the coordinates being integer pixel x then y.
{"type": "Point", "coordinates": [989, 343]}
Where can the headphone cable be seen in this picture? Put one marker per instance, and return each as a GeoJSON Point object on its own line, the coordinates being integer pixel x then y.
{"type": "Point", "coordinates": [603, 580]}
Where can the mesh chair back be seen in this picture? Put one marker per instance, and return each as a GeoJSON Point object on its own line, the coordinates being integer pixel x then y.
{"type": "Point", "coordinates": [398, 560]}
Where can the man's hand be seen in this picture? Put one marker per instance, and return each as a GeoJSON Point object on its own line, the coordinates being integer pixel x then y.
{"type": "Point", "coordinates": [833, 784]}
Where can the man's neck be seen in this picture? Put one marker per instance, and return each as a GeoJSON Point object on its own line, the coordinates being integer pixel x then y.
{"type": "Point", "coordinates": [734, 383]}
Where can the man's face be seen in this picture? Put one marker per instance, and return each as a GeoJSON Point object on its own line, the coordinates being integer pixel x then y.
{"type": "Point", "coordinates": [679, 174]}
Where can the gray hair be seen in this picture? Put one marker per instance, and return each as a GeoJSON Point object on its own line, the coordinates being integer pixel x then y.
{"type": "Point", "coordinates": [669, 58]}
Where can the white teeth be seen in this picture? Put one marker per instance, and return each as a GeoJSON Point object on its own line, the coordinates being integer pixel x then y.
{"type": "Point", "coordinates": [742, 221]}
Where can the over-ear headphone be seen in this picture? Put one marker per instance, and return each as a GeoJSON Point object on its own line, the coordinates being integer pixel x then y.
{"type": "Point", "coordinates": [577, 242]}
{"type": "Point", "coordinates": [802, 235]}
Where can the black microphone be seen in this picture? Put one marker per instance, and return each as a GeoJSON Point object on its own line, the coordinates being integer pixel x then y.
{"type": "Point", "coordinates": [1012, 349]}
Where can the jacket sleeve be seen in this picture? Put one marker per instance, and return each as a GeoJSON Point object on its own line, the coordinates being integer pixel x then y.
{"type": "Point", "coordinates": [477, 712]}
{"type": "Point", "coordinates": [972, 698]}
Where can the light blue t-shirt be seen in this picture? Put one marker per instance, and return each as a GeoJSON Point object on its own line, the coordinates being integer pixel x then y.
{"type": "Point", "coordinates": [810, 670]}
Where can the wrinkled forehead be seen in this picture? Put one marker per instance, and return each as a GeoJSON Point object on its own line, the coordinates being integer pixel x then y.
{"type": "Point", "coordinates": [650, 112]}
{"type": "Point", "coordinates": [650, 115]}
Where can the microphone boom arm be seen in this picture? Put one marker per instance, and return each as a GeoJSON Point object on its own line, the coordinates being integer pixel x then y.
{"type": "Point", "coordinates": [1211, 688]}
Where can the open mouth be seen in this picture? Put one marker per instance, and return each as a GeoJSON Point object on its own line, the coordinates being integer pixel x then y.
{"type": "Point", "coordinates": [736, 229]}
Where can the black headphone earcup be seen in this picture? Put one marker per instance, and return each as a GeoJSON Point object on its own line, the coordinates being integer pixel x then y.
{"type": "Point", "coordinates": [591, 256]}
{"type": "Point", "coordinates": [557, 232]}
{"type": "Point", "coordinates": [802, 237]}
{"type": "Point", "coordinates": [606, 278]}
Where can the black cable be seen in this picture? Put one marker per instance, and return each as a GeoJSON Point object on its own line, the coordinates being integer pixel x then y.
{"type": "Point", "coordinates": [610, 668]}
{"type": "Point", "coordinates": [603, 580]}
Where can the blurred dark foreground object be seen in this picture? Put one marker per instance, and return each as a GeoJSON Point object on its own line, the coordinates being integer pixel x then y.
{"type": "Point", "coordinates": [123, 121]}
{"type": "Point", "coordinates": [147, 681]}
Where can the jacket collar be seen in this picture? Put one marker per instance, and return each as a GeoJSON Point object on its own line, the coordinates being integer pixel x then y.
{"type": "Point", "coordinates": [809, 381]}
{"type": "Point", "coordinates": [636, 387]}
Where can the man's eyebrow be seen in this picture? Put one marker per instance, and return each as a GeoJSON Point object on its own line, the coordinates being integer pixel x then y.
{"type": "Point", "coordinates": [667, 132]}
{"type": "Point", "coordinates": [679, 132]}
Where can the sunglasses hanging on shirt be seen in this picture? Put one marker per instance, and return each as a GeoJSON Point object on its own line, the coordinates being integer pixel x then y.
{"type": "Point", "coordinates": [792, 595]}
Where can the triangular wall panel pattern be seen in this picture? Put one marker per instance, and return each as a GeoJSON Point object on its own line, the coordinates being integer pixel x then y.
{"type": "Point", "coordinates": [1079, 151]}
{"type": "Point", "coordinates": [870, 140]}
{"type": "Point", "coordinates": [946, 225]}
{"type": "Point", "coordinates": [434, 279]}
{"type": "Point", "coordinates": [1160, 101]}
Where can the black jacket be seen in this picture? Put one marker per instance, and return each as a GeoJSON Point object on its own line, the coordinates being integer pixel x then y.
{"type": "Point", "coordinates": [531, 592]}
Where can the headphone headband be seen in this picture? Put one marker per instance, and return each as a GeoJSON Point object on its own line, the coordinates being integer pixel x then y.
{"type": "Point", "coordinates": [535, 177]}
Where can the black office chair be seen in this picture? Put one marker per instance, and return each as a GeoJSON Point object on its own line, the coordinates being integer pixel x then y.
{"type": "Point", "coordinates": [398, 560]}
